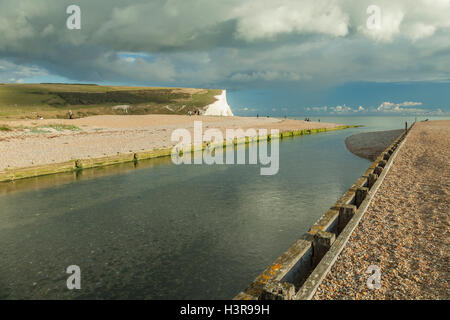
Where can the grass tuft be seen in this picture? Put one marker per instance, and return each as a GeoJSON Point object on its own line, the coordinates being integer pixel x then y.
{"type": "Point", "coordinates": [61, 127]}
{"type": "Point", "coordinates": [5, 128]}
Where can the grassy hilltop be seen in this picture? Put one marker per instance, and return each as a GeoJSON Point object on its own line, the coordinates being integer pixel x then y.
{"type": "Point", "coordinates": [27, 101]}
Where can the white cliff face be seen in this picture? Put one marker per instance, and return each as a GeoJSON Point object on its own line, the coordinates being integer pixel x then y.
{"type": "Point", "coordinates": [220, 107]}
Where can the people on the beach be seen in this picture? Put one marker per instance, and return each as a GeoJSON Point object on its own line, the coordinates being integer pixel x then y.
{"type": "Point", "coordinates": [70, 114]}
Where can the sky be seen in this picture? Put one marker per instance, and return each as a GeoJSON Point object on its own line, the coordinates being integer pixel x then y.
{"type": "Point", "coordinates": [295, 57]}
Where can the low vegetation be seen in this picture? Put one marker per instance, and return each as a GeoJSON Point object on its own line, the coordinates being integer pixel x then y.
{"type": "Point", "coordinates": [5, 128]}
{"type": "Point", "coordinates": [61, 127]}
{"type": "Point", "coordinates": [46, 128]}
{"type": "Point", "coordinates": [32, 101]}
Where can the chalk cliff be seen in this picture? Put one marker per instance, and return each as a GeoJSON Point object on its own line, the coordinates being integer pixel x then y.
{"type": "Point", "coordinates": [220, 107]}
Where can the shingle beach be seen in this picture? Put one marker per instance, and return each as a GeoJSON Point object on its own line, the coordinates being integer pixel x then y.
{"type": "Point", "coordinates": [405, 229]}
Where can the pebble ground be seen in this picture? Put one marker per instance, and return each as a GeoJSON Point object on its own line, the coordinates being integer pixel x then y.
{"type": "Point", "coordinates": [405, 229]}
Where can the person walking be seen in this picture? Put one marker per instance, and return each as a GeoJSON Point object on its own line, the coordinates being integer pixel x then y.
{"type": "Point", "coordinates": [70, 114]}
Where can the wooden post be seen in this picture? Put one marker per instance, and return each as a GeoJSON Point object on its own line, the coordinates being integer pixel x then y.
{"type": "Point", "coordinates": [361, 194]}
{"type": "Point", "coordinates": [371, 181]}
{"type": "Point", "coordinates": [406, 126]}
{"type": "Point", "coordinates": [378, 170]}
{"type": "Point", "coordinates": [321, 244]}
{"type": "Point", "coordinates": [346, 213]}
{"type": "Point", "coordinates": [277, 290]}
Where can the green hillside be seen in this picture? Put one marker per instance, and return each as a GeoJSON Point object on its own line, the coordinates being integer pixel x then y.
{"type": "Point", "coordinates": [27, 101]}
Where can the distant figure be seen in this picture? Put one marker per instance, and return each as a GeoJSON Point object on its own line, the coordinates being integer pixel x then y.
{"type": "Point", "coordinates": [257, 115]}
{"type": "Point", "coordinates": [70, 114]}
{"type": "Point", "coordinates": [285, 116]}
{"type": "Point", "coordinates": [319, 120]}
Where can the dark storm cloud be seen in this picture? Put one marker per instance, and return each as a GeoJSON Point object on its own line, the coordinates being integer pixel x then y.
{"type": "Point", "coordinates": [225, 43]}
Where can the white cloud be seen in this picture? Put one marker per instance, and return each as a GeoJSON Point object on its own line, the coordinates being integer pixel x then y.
{"type": "Point", "coordinates": [341, 109]}
{"type": "Point", "coordinates": [385, 108]}
{"type": "Point", "coordinates": [335, 110]}
{"type": "Point", "coordinates": [397, 107]}
{"type": "Point", "coordinates": [410, 103]}
{"type": "Point", "coordinates": [420, 30]}
{"type": "Point", "coordinates": [406, 108]}
{"type": "Point", "coordinates": [391, 20]}
{"type": "Point", "coordinates": [413, 21]}
{"type": "Point", "coordinates": [269, 18]}
{"type": "Point", "coordinates": [11, 72]}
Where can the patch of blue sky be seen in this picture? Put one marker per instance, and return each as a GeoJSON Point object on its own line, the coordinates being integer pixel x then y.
{"type": "Point", "coordinates": [133, 56]}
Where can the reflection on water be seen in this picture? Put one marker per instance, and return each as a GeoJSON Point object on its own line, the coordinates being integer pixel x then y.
{"type": "Point", "coordinates": [161, 231]}
{"type": "Point", "coordinates": [38, 183]}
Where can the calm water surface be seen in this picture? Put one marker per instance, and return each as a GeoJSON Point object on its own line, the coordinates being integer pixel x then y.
{"type": "Point", "coordinates": [160, 231]}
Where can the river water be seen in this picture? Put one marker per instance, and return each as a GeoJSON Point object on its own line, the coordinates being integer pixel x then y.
{"type": "Point", "coordinates": [161, 231]}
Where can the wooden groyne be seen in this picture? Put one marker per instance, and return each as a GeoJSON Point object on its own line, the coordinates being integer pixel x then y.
{"type": "Point", "coordinates": [299, 271]}
{"type": "Point", "coordinates": [80, 164]}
